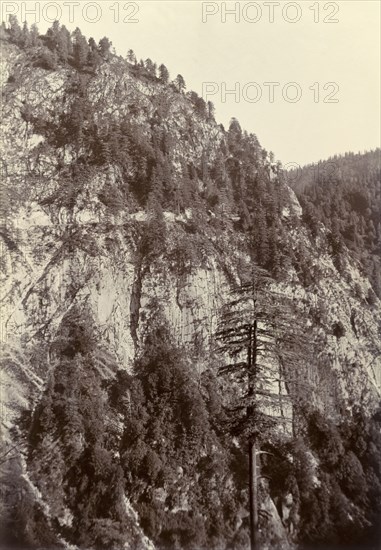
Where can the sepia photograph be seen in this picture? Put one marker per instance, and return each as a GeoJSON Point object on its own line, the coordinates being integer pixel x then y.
{"type": "Point", "coordinates": [190, 274]}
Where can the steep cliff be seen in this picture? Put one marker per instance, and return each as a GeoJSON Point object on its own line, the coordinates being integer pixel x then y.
{"type": "Point", "coordinates": [124, 204]}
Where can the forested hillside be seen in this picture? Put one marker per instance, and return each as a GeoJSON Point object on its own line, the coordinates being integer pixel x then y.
{"type": "Point", "coordinates": [151, 258]}
{"type": "Point", "coordinates": [344, 194]}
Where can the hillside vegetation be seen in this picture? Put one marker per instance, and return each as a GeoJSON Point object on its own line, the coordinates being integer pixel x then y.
{"type": "Point", "coordinates": [128, 215]}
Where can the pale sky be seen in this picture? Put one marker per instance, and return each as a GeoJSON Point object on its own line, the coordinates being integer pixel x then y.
{"type": "Point", "coordinates": [340, 60]}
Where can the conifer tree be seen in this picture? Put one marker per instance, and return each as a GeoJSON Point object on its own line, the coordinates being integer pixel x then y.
{"type": "Point", "coordinates": [261, 335]}
{"type": "Point", "coordinates": [179, 83]}
{"type": "Point", "coordinates": [104, 47]}
{"type": "Point", "coordinates": [3, 30]}
{"type": "Point", "coordinates": [131, 57]}
{"type": "Point", "coordinates": [211, 110]}
{"type": "Point", "coordinates": [163, 74]}
{"type": "Point", "coordinates": [64, 44]}
{"type": "Point", "coordinates": [261, 238]}
{"type": "Point", "coordinates": [94, 57]}
{"type": "Point", "coordinates": [51, 37]}
{"type": "Point", "coordinates": [15, 31]}
{"type": "Point", "coordinates": [80, 49]}
{"type": "Point", "coordinates": [25, 36]}
{"type": "Point", "coordinates": [150, 67]}
{"type": "Point", "coordinates": [201, 107]}
{"type": "Point", "coordinates": [33, 35]}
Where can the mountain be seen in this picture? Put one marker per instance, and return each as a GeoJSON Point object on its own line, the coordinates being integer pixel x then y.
{"type": "Point", "coordinates": [128, 214]}
{"type": "Point", "coordinates": [344, 194]}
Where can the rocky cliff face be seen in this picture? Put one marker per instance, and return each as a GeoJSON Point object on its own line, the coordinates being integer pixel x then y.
{"type": "Point", "coordinates": [64, 248]}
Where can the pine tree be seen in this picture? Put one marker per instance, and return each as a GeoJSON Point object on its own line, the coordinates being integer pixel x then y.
{"type": "Point", "coordinates": [131, 57]}
{"type": "Point", "coordinates": [51, 37]}
{"type": "Point", "coordinates": [80, 49]}
{"type": "Point", "coordinates": [25, 36]}
{"type": "Point", "coordinates": [261, 237]}
{"type": "Point", "coordinates": [64, 44]}
{"type": "Point", "coordinates": [150, 67]}
{"type": "Point", "coordinates": [104, 48]}
{"type": "Point", "coordinates": [34, 35]}
{"type": "Point", "coordinates": [3, 31]}
{"type": "Point", "coordinates": [200, 107]}
{"type": "Point", "coordinates": [15, 31]}
{"type": "Point", "coordinates": [258, 330]}
{"type": "Point", "coordinates": [94, 58]}
{"type": "Point", "coordinates": [211, 110]}
{"type": "Point", "coordinates": [310, 218]}
{"type": "Point", "coordinates": [163, 74]}
{"type": "Point", "coordinates": [179, 83]}
{"type": "Point", "coordinates": [273, 264]}
{"type": "Point", "coordinates": [235, 131]}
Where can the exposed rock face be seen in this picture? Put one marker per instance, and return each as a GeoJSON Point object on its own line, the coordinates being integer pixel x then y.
{"type": "Point", "coordinates": [56, 256]}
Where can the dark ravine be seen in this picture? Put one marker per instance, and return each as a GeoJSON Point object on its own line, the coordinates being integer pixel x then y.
{"type": "Point", "coordinates": [113, 411]}
{"type": "Point", "coordinates": [135, 303]}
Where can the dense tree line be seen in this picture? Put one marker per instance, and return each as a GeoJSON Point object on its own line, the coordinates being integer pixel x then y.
{"type": "Point", "coordinates": [156, 435]}
{"type": "Point", "coordinates": [336, 496]}
{"type": "Point", "coordinates": [239, 182]}
{"type": "Point", "coordinates": [344, 194]}
{"type": "Point", "coordinates": [172, 442]}
{"type": "Point", "coordinates": [58, 46]}
{"type": "Point", "coordinates": [163, 437]}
